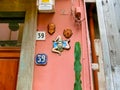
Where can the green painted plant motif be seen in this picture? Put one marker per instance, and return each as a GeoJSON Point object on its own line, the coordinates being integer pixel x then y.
{"type": "Point", "coordinates": [77, 66]}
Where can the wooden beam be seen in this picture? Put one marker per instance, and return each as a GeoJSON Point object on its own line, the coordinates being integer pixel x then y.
{"type": "Point", "coordinates": [105, 46]}
{"type": "Point", "coordinates": [9, 52]}
{"type": "Point", "coordinates": [20, 33]}
{"type": "Point", "coordinates": [10, 16]}
{"type": "Point", "coordinates": [12, 6]}
{"type": "Point", "coordinates": [112, 18]}
{"type": "Point", "coordinates": [92, 37]}
{"type": "Point", "coordinates": [101, 74]}
{"type": "Point", "coordinates": [115, 57]}
{"type": "Point", "coordinates": [109, 17]}
{"type": "Point", "coordinates": [26, 67]}
{"type": "Point", "coordinates": [16, 5]}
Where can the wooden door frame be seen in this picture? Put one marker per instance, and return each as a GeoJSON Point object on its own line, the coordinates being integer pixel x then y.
{"type": "Point", "coordinates": [108, 19]}
{"type": "Point", "coordinates": [9, 52]}
{"type": "Point", "coordinates": [26, 67]}
{"type": "Point", "coordinates": [26, 64]}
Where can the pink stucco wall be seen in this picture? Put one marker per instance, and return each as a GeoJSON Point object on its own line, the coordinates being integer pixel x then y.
{"type": "Point", "coordinates": [58, 74]}
{"type": "Point", "coordinates": [6, 33]}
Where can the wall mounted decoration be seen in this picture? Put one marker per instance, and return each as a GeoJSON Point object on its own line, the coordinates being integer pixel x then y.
{"type": "Point", "coordinates": [77, 14]}
{"type": "Point", "coordinates": [41, 59]}
{"type": "Point", "coordinates": [77, 66]}
{"type": "Point", "coordinates": [13, 26]}
{"type": "Point", "coordinates": [59, 45]}
{"type": "Point", "coordinates": [67, 33]}
{"type": "Point", "coordinates": [51, 28]}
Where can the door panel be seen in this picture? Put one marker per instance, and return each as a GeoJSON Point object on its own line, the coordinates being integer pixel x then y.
{"type": "Point", "coordinates": [8, 68]}
{"type": "Point", "coordinates": [8, 74]}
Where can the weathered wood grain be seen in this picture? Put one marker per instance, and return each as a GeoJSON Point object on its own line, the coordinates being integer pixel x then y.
{"type": "Point", "coordinates": [105, 47]}
{"type": "Point", "coordinates": [9, 62]}
{"type": "Point", "coordinates": [109, 17]}
{"type": "Point", "coordinates": [9, 52]}
{"type": "Point", "coordinates": [101, 74]}
{"type": "Point", "coordinates": [26, 68]}
{"type": "Point", "coordinates": [113, 33]}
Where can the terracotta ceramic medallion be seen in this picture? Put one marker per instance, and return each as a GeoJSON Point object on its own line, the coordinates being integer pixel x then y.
{"type": "Point", "coordinates": [51, 28]}
{"type": "Point", "coordinates": [67, 33]}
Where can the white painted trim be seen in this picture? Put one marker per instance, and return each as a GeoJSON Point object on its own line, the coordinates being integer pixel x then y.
{"type": "Point", "coordinates": [90, 1]}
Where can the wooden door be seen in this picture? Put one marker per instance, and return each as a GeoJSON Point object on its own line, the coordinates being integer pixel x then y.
{"type": "Point", "coordinates": [9, 62]}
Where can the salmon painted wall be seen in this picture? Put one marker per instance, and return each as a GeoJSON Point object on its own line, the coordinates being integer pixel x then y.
{"type": "Point", "coordinates": [6, 33]}
{"type": "Point", "coordinates": [59, 74]}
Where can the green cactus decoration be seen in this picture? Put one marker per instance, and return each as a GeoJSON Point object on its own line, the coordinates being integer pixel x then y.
{"type": "Point", "coordinates": [77, 66]}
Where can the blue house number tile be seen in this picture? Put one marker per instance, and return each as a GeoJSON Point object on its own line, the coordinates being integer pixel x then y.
{"type": "Point", "coordinates": [41, 59]}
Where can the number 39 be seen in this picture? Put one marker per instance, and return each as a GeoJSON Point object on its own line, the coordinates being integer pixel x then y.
{"type": "Point", "coordinates": [41, 59]}
{"type": "Point", "coordinates": [40, 35]}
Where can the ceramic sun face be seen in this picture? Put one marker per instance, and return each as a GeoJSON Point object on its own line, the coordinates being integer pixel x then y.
{"type": "Point", "coordinates": [51, 28]}
{"type": "Point", "coordinates": [67, 33]}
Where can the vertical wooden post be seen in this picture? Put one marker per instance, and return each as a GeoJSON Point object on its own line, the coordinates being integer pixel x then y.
{"type": "Point", "coordinates": [26, 67]}
{"type": "Point", "coordinates": [92, 38]}
{"type": "Point", "coordinates": [109, 17]}
{"type": "Point", "coordinates": [20, 33]}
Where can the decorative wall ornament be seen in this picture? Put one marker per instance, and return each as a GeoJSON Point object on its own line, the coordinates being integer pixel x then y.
{"type": "Point", "coordinates": [67, 33]}
{"type": "Point", "coordinates": [77, 14]}
{"type": "Point", "coordinates": [14, 26]}
{"type": "Point", "coordinates": [51, 28]}
{"type": "Point", "coordinates": [59, 45]}
{"type": "Point", "coordinates": [77, 66]}
{"type": "Point", "coordinates": [41, 59]}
